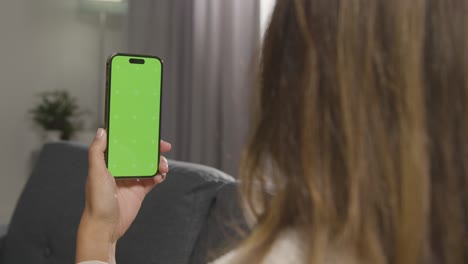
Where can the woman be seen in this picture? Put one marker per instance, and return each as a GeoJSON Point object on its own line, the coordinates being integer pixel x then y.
{"type": "Point", "coordinates": [360, 126]}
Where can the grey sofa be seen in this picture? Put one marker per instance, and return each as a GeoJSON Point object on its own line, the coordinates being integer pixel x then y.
{"type": "Point", "coordinates": [190, 218]}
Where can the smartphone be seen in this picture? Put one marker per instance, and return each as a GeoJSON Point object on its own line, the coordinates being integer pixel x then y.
{"type": "Point", "coordinates": [133, 115]}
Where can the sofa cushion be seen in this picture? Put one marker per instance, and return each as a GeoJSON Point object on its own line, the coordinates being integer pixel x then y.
{"type": "Point", "coordinates": [43, 227]}
{"type": "Point", "coordinates": [224, 228]}
{"type": "Point", "coordinates": [172, 216]}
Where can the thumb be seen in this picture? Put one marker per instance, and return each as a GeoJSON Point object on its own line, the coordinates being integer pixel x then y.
{"type": "Point", "coordinates": [96, 157]}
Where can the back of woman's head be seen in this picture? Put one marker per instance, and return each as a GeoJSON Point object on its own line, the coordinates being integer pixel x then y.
{"type": "Point", "coordinates": [360, 132]}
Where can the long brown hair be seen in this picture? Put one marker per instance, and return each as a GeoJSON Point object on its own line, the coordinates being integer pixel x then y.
{"type": "Point", "coordinates": [360, 131]}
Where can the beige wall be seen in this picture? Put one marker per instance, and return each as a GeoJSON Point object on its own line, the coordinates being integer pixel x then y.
{"type": "Point", "coordinates": [44, 45]}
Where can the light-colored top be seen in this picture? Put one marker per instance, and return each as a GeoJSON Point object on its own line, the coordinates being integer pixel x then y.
{"type": "Point", "coordinates": [287, 249]}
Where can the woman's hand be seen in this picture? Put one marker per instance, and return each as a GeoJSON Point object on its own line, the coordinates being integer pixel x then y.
{"type": "Point", "coordinates": [111, 205]}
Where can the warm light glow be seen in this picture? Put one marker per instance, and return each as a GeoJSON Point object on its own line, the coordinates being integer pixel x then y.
{"type": "Point", "coordinates": [266, 8]}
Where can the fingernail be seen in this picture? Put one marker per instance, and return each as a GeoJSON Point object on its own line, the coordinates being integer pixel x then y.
{"type": "Point", "coordinates": [99, 133]}
{"type": "Point", "coordinates": [166, 164]}
{"type": "Point", "coordinates": [163, 141]}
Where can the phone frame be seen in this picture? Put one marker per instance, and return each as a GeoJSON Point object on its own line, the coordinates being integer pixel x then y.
{"type": "Point", "coordinates": [108, 105]}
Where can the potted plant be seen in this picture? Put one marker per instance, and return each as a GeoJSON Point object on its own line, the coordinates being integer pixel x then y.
{"type": "Point", "coordinates": [57, 114]}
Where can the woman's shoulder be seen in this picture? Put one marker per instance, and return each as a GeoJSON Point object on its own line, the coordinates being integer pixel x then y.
{"type": "Point", "coordinates": [288, 248]}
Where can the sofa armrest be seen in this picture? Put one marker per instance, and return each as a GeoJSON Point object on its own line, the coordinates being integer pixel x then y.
{"type": "Point", "coordinates": [2, 242]}
{"type": "Point", "coordinates": [3, 231]}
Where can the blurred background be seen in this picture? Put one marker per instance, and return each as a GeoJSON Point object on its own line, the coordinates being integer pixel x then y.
{"type": "Point", "coordinates": [52, 74]}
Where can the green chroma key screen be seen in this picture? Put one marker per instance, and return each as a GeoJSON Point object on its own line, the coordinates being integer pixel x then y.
{"type": "Point", "coordinates": [133, 115]}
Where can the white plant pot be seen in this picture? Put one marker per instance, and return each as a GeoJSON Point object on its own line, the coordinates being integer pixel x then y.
{"type": "Point", "coordinates": [52, 136]}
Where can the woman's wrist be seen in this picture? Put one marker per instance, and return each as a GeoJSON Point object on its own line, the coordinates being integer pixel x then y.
{"type": "Point", "coordinates": [95, 241]}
